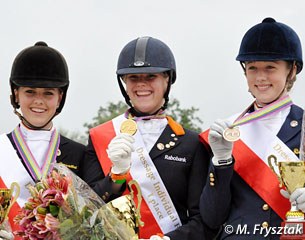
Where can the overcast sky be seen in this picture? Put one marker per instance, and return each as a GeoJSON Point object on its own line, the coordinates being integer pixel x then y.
{"type": "Point", "coordinates": [204, 36]}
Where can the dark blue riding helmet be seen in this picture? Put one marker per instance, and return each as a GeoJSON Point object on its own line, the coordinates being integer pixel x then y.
{"type": "Point", "coordinates": [271, 41]}
{"type": "Point", "coordinates": [146, 55]}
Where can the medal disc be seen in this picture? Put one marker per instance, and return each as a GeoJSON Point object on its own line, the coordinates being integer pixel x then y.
{"type": "Point", "coordinates": [231, 134]}
{"type": "Point", "coordinates": [129, 126]}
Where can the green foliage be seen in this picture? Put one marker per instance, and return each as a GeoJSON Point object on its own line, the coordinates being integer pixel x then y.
{"type": "Point", "coordinates": [106, 114]}
{"type": "Point", "coordinates": [186, 117]}
{"type": "Point", "coordinates": [75, 135]}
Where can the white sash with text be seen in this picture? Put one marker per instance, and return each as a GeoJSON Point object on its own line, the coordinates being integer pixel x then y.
{"type": "Point", "coordinates": [264, 143]}
{"type": "Point", "coordinates": [153, 190]}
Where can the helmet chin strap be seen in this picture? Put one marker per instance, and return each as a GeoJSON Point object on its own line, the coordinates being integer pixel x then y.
{"type": "Point", "coordinates": [31, 126]}
{"type": "Point", "coordinates": [136, 113]}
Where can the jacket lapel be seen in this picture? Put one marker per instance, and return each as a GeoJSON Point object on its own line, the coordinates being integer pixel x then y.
{"type": "Point", "coordinates": [167, 141]}
{"type": "Point", "coordinates": [61, 155]}
{"type": "Point", "coordinates": [292, 124]}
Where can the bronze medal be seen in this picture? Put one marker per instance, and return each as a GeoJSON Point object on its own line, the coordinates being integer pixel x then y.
{"type": "Point", "coordinates": [231, 134]}
{"type": "Point", "coordinates": [129, 126]}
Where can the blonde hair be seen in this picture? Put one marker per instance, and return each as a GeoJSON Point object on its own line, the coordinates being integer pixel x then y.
{"type": "Point", "coordinates": [290, 80]}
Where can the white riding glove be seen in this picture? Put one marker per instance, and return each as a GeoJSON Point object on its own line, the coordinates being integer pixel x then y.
{"type": "Point", "coordinates": [298, 196]}
{"type": "Point", "coordinates": [156, 237]}
{"type": "Point", "coordinates": [6, 235]}
{"type": "Point", "coordinates": [119, 152]}
{"type": "Point", "coordinates": [222, 149]}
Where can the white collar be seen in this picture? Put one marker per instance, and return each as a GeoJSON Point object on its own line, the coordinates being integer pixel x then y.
{"type": "Point", "coordinates": [36, 135]}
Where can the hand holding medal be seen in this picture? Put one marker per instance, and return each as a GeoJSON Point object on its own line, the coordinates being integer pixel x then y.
{"type": "Point", "coordinates": [222, 149]}
{"type": "Point", "coordinates": [121, 146]}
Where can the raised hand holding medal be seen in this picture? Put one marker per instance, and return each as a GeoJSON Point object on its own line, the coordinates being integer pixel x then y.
{"type": "Point", "coordinates": [221, 148]}
{"type": "Point", "coordinates": [121, 146]}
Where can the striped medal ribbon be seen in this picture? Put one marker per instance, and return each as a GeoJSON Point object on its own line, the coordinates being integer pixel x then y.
{"type": "Point", "coordinates": [232, 133]}
{"type": "Point", "coordinates": [36, 172]}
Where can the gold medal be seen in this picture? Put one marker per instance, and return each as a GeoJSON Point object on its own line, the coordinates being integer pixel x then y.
{"type": "Point", "coordinates": [231, 134]}
{"type": "Point", "coordinates": [129, 126]}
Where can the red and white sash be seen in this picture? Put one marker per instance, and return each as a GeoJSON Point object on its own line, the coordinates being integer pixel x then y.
{"type": "Point", "coordinates": [251, 154]}
{"type": "Point", "coordinates": [157, 211]}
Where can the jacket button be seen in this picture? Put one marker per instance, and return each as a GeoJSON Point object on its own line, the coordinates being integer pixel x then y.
{"type": "Point", "coordinates": [265, 207]}
{"type": "Point", "coordinates": [58, 152]}
{"type": "Point", "coordinates": [296, 151]}
{"type": "Point", "coordinates": [265, 224]}
{"type": "Point", "coordinates": [294, 123]}
{"type": "Point", "coordinates": [212, 180]}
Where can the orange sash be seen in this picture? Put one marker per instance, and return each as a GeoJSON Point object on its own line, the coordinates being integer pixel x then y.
{"type": "Point", "coordinates": [257, 175]}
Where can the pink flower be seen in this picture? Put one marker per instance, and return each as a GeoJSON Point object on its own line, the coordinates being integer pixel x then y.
{"type": "Point", "coordinates": [59, 182]}
{"type": "Point", "coordinates": [52, 223]}
{"type": "Point", "coordinates": [38, 218]}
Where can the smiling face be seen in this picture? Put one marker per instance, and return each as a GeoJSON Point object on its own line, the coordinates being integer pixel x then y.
{"type": "Point", "coordinates": [38, 105]}
{"type": "Point", "coordinates": [146, 91]}
{"type": "Point", "coordinates": [267, 80]}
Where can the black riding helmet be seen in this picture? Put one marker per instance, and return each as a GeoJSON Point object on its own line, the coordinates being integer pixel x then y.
{"type": "Point", "coordinates": [39, 66]}
{"type": "Point", "coordinates": [271, 41]}
{"type": "Point", "coordinates": [146, 55]}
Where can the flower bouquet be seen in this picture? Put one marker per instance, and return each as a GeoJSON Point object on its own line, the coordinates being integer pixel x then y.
{"type": "Point", "coordinates": [62, 206]}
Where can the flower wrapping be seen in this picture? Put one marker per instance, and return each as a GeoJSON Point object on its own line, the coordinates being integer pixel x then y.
{"type": "Point", "coordinates": [62, 206]}
{"type": "Point", "coordinates": [5, 230]}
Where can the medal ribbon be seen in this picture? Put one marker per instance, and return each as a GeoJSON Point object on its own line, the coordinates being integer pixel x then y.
{"type": "Point", "coordinates": [263, 112]}
{"type": "Point", "coordinates": [36, 172]}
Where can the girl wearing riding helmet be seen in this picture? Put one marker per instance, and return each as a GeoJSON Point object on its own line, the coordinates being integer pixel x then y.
{"type": "Point", "coordinates": [243, 190]}
{"type": "Point", "coordinates": [144, 144]}
{"type": "Point", "coordinates": [39, 82]}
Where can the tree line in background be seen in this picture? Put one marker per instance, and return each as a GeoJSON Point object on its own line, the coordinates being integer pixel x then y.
{"type": "Point", "coordinates": [185, 116]}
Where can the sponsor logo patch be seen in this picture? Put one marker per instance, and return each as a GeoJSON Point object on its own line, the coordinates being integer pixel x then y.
{"type": "Point", "coordinates": [175, 158]}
